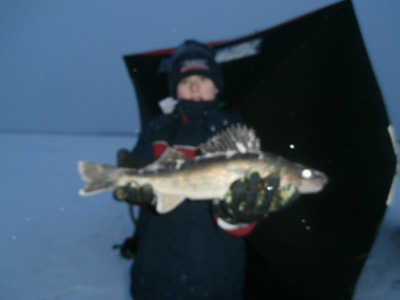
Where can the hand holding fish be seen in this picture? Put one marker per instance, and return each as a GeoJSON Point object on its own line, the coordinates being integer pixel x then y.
{"type": "Point", "coordinates": [252, 198]}
{"type": "Point", "coordinates": [133, 193]}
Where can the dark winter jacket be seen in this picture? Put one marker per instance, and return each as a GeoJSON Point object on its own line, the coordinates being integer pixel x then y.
{"type": "Point", "coordinates": [184, 254]}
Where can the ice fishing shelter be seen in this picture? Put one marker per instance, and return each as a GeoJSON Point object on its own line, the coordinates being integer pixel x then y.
{"type": "Point", "coordinates": [308, 89]}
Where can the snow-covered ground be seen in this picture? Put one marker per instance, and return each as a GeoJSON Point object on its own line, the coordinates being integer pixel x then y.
{"type": "Point", "coordinates": [55, 244]}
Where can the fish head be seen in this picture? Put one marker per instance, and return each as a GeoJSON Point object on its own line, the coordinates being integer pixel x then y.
{"type": "Point", "coordinates": [306, 180]}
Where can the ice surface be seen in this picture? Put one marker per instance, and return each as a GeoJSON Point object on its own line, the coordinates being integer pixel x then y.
{"type": "Point", "coordinates": [55, 244]}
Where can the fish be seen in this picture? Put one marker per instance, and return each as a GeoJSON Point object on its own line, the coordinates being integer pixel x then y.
{"type": "Point", "coordinates": [224, 158]}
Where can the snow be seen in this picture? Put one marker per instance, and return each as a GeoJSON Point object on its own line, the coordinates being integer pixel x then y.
{"type": "Point", "coordinates": [55, 244]}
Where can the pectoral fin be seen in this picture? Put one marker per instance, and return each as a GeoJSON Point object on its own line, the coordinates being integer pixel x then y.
{"type": "Point", "coordinates": [166, 203]}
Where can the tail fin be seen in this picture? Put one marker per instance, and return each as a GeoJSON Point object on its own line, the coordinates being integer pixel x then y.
{"type": "Point", "coordinates": [99, 177]}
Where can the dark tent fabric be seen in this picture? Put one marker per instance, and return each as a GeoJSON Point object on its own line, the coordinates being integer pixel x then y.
{"type": "Point", "coordinates": [308, 89]}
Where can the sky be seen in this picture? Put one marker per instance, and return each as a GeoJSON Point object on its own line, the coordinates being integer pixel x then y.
{"type": "Point", "coordinates": [65, 95]}
{"type": "Point", "coordinates": [61, 61]}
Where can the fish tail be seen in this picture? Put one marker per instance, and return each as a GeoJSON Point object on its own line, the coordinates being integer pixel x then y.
{"type": "Point", "coordinates": [99, 177]}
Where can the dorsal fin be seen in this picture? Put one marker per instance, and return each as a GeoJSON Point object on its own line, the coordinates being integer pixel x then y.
{"type": "Point", "coordinates": [238, 138]}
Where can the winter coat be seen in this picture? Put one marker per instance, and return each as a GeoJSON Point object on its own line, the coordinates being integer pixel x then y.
{"type": "Point", "coordinates": [184, 254]}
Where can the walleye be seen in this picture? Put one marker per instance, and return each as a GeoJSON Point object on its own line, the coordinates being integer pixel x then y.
{"type": "Point", "coordinates": [224, 158]}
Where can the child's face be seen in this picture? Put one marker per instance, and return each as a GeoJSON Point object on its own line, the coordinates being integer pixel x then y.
{"type": "Point", "coordinates": [196, 88]}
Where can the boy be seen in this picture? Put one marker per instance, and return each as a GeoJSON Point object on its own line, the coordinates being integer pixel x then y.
{"type": "Point", "coordinates": [196, 250]}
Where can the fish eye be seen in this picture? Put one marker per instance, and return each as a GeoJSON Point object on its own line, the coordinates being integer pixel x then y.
{"type": "Point", "coordinates": [306, 173]}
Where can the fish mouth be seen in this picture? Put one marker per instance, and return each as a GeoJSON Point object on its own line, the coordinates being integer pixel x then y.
{"type": "Point", "coordinates": [307, 180]}
{"type": "Point", "coordinates": [314, 184]}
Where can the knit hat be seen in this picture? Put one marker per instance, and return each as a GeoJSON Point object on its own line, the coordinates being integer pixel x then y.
{"type": "Point", "coordinates": [193, 58]}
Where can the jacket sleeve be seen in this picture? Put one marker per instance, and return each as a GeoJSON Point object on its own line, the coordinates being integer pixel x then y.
{"type": "Point", "coordinates": [140, 156]}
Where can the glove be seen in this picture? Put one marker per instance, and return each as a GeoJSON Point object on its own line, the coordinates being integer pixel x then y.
{"type": "Point", "coordinates": [284, 197]}
{"type": "Point", "coordinates": [133, 193]}
{"type": "Point", "coordinates": [252, 198]}
{"type": "Point", "coordinates": [128, 160]}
